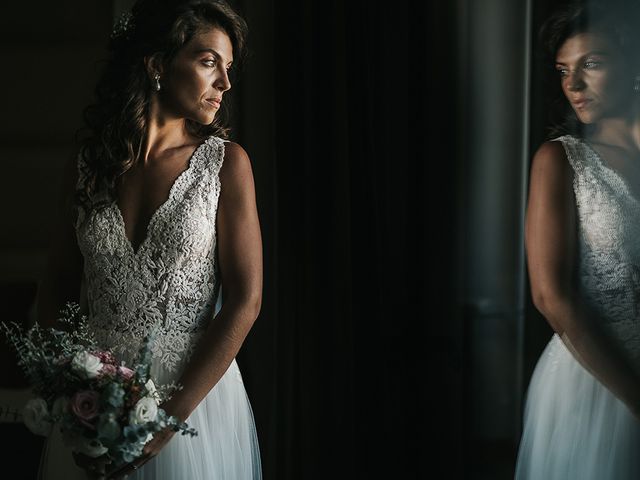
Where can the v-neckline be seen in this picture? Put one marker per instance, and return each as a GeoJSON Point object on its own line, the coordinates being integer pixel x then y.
{"type": "Point", "coordinates": [152, 220]}
{"type": "Point", "coordinates": [613, 172]}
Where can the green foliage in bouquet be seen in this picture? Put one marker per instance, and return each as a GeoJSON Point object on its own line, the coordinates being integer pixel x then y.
{"type": "Point", "coordinates": [102, 406]}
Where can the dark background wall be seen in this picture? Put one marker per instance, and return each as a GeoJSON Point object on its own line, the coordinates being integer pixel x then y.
{"type": "Point", "coordinates": [390, 145]}
{"type": "Point", "coordinates": [49, 54]}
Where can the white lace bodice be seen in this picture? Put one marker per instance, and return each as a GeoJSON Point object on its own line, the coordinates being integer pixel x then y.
{"type": "Point", "coordinates": [609, 243]}
{"type": "Point", "coordinates": [171, 282]}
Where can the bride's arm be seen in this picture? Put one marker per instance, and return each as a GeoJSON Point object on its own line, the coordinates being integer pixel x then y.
{"type": "Point", "coordinates": [551, 245]}
{"type": "Point", "coordinates": [240, 261]}
{"type": "Point", "coordinates": [60, 280]}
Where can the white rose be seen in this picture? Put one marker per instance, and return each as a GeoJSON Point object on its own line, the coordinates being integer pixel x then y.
{"type": "Point", "coordinates": [59, 407]}
{"type": "Point", "coordinates": [87, 365]}
{"type": "Point", "coordinates": [36, 417]}
{"type": "Point", "coordinates": [146, 410]}
{"type": "Point", "coordinates": [153, 392]}
{"type": "Point", "coordinates": [92, 448]}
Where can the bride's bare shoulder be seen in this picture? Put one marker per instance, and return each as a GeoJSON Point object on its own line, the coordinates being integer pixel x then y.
{"type": "Point", "coordinates": [550, 161]}
{"type": "Point", "coordinates": [236, 167]}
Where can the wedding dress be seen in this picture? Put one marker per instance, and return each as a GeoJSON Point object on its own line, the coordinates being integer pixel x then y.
{"type": "Point", "coordinates": [171, 283]}
{"type": "Point", "coordinates": [574, 427]}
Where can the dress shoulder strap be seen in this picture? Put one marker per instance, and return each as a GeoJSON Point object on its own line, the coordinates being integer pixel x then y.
{"type": "Point", "coordinates": [217, 154]}
{"type": "Point", "coordinates": [577, 154]}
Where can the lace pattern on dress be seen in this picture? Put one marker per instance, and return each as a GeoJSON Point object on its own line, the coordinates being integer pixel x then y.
{"type": "Point", "coordinates": [609, 246]}
{"type": "Point", "coordinates": [170, 285]}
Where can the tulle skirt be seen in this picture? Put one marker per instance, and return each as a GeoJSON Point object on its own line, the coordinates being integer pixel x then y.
{"type": "Point", "coordinates": [574, 427]}
{"type": "Point", "coordinates": [226, 447]}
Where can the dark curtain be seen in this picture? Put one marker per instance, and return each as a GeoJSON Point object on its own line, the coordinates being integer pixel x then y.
{"type": "Point", "coordinates": [354, 366]}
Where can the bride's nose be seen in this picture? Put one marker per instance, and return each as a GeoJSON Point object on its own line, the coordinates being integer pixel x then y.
{"type": "Point", "coordinates": [222, 81]}
{"type": "Point", "coordinates": [575, 81]}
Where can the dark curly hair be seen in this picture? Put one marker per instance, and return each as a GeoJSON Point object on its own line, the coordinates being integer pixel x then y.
{"type": "Point", "coordinates": [616, 20]}
{"type": "Point", "coordinates": [115, 126]}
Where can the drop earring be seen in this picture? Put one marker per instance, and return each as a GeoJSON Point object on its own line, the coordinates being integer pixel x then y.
{"type": "Point", "coordinates": [636, 84]}
{"type": "Point", "coordinates": [157, 79]}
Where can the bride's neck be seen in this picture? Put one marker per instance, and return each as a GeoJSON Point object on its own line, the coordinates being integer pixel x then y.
{"type": "Point", "coordinates": [618, 132]}
{"type": "Point", "coordinates": [164, 132]}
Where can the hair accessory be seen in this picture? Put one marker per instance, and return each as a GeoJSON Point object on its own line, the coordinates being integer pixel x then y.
{"type": "Point", "coordinates": [156, 77]}
{"type": "Point", "coordinates": [123, 25]}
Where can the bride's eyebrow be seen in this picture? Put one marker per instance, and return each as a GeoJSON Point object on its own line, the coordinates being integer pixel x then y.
{"type": "Point", "coordinates": [600, 53]}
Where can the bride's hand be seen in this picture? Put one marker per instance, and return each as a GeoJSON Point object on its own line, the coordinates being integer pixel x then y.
{"type": "Point", "coordinates": [151, 449]}
{"type": "Point", "coordinates": [95, 467]}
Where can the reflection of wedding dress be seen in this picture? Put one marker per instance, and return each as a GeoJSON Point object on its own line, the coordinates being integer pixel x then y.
{"type": "Point", "coordinates": [171, 283]}
{"type": "Point", "coordinates": [574, 427]}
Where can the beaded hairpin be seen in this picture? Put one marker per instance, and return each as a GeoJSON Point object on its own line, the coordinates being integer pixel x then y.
{"type": "Point", "coordinates": [123, 25]}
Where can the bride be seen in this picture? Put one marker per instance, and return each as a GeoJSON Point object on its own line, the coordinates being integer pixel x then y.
{"type": "Point", "coordinates": [159, 222]}
{"type": "Point", "coordinates": [582, 416]}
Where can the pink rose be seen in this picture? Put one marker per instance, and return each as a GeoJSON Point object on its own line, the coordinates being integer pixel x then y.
{"type": "Point", "coordinates": [108, 370]}
{"type": "Point", "coordinates": [105, 357]}
{"type": "Point", "coordinates": [125, 372]}
{"type": "Point", "coordinates": [86, 406]}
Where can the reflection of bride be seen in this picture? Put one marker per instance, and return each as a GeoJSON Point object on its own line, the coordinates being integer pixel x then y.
{"type": "Point", "coordinates": [582, 416]}
{"type": "Point", "coordinates": [164, 209]}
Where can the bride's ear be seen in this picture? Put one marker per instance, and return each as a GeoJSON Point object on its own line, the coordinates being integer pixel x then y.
{"type": "Point", "coordinates": [154, 64]}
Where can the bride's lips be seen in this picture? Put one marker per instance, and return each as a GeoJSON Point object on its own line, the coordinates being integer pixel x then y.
{"type": "Point", "coordinates": [214, 102]}
{"type": "Point", "coordinates": [582, 103]}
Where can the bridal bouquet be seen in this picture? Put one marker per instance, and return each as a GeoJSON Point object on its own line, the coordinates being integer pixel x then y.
{"type": "Point", "coordinates": [100, 405]}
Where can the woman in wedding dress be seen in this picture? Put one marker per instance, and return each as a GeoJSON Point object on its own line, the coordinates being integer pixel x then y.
{"type": "Point", "coordinates": [159, 231]}
{"type": "Point", "coordinates": [582, 412]}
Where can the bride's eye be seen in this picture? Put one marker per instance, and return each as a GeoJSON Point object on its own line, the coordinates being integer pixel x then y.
{"type": "Point", "coordinates": [592, 64]}
{"type": "Point", "coordinates": [210, 62]}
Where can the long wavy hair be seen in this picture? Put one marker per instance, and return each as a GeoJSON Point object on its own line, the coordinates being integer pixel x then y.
{"type": "Point", "coordinates": [116, 124]}
{"type": "Point", "coordinates": [614, 19]}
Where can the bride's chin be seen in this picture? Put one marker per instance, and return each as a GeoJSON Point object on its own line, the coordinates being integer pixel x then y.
{"type": "Point", "coordinates": [203, 118]}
